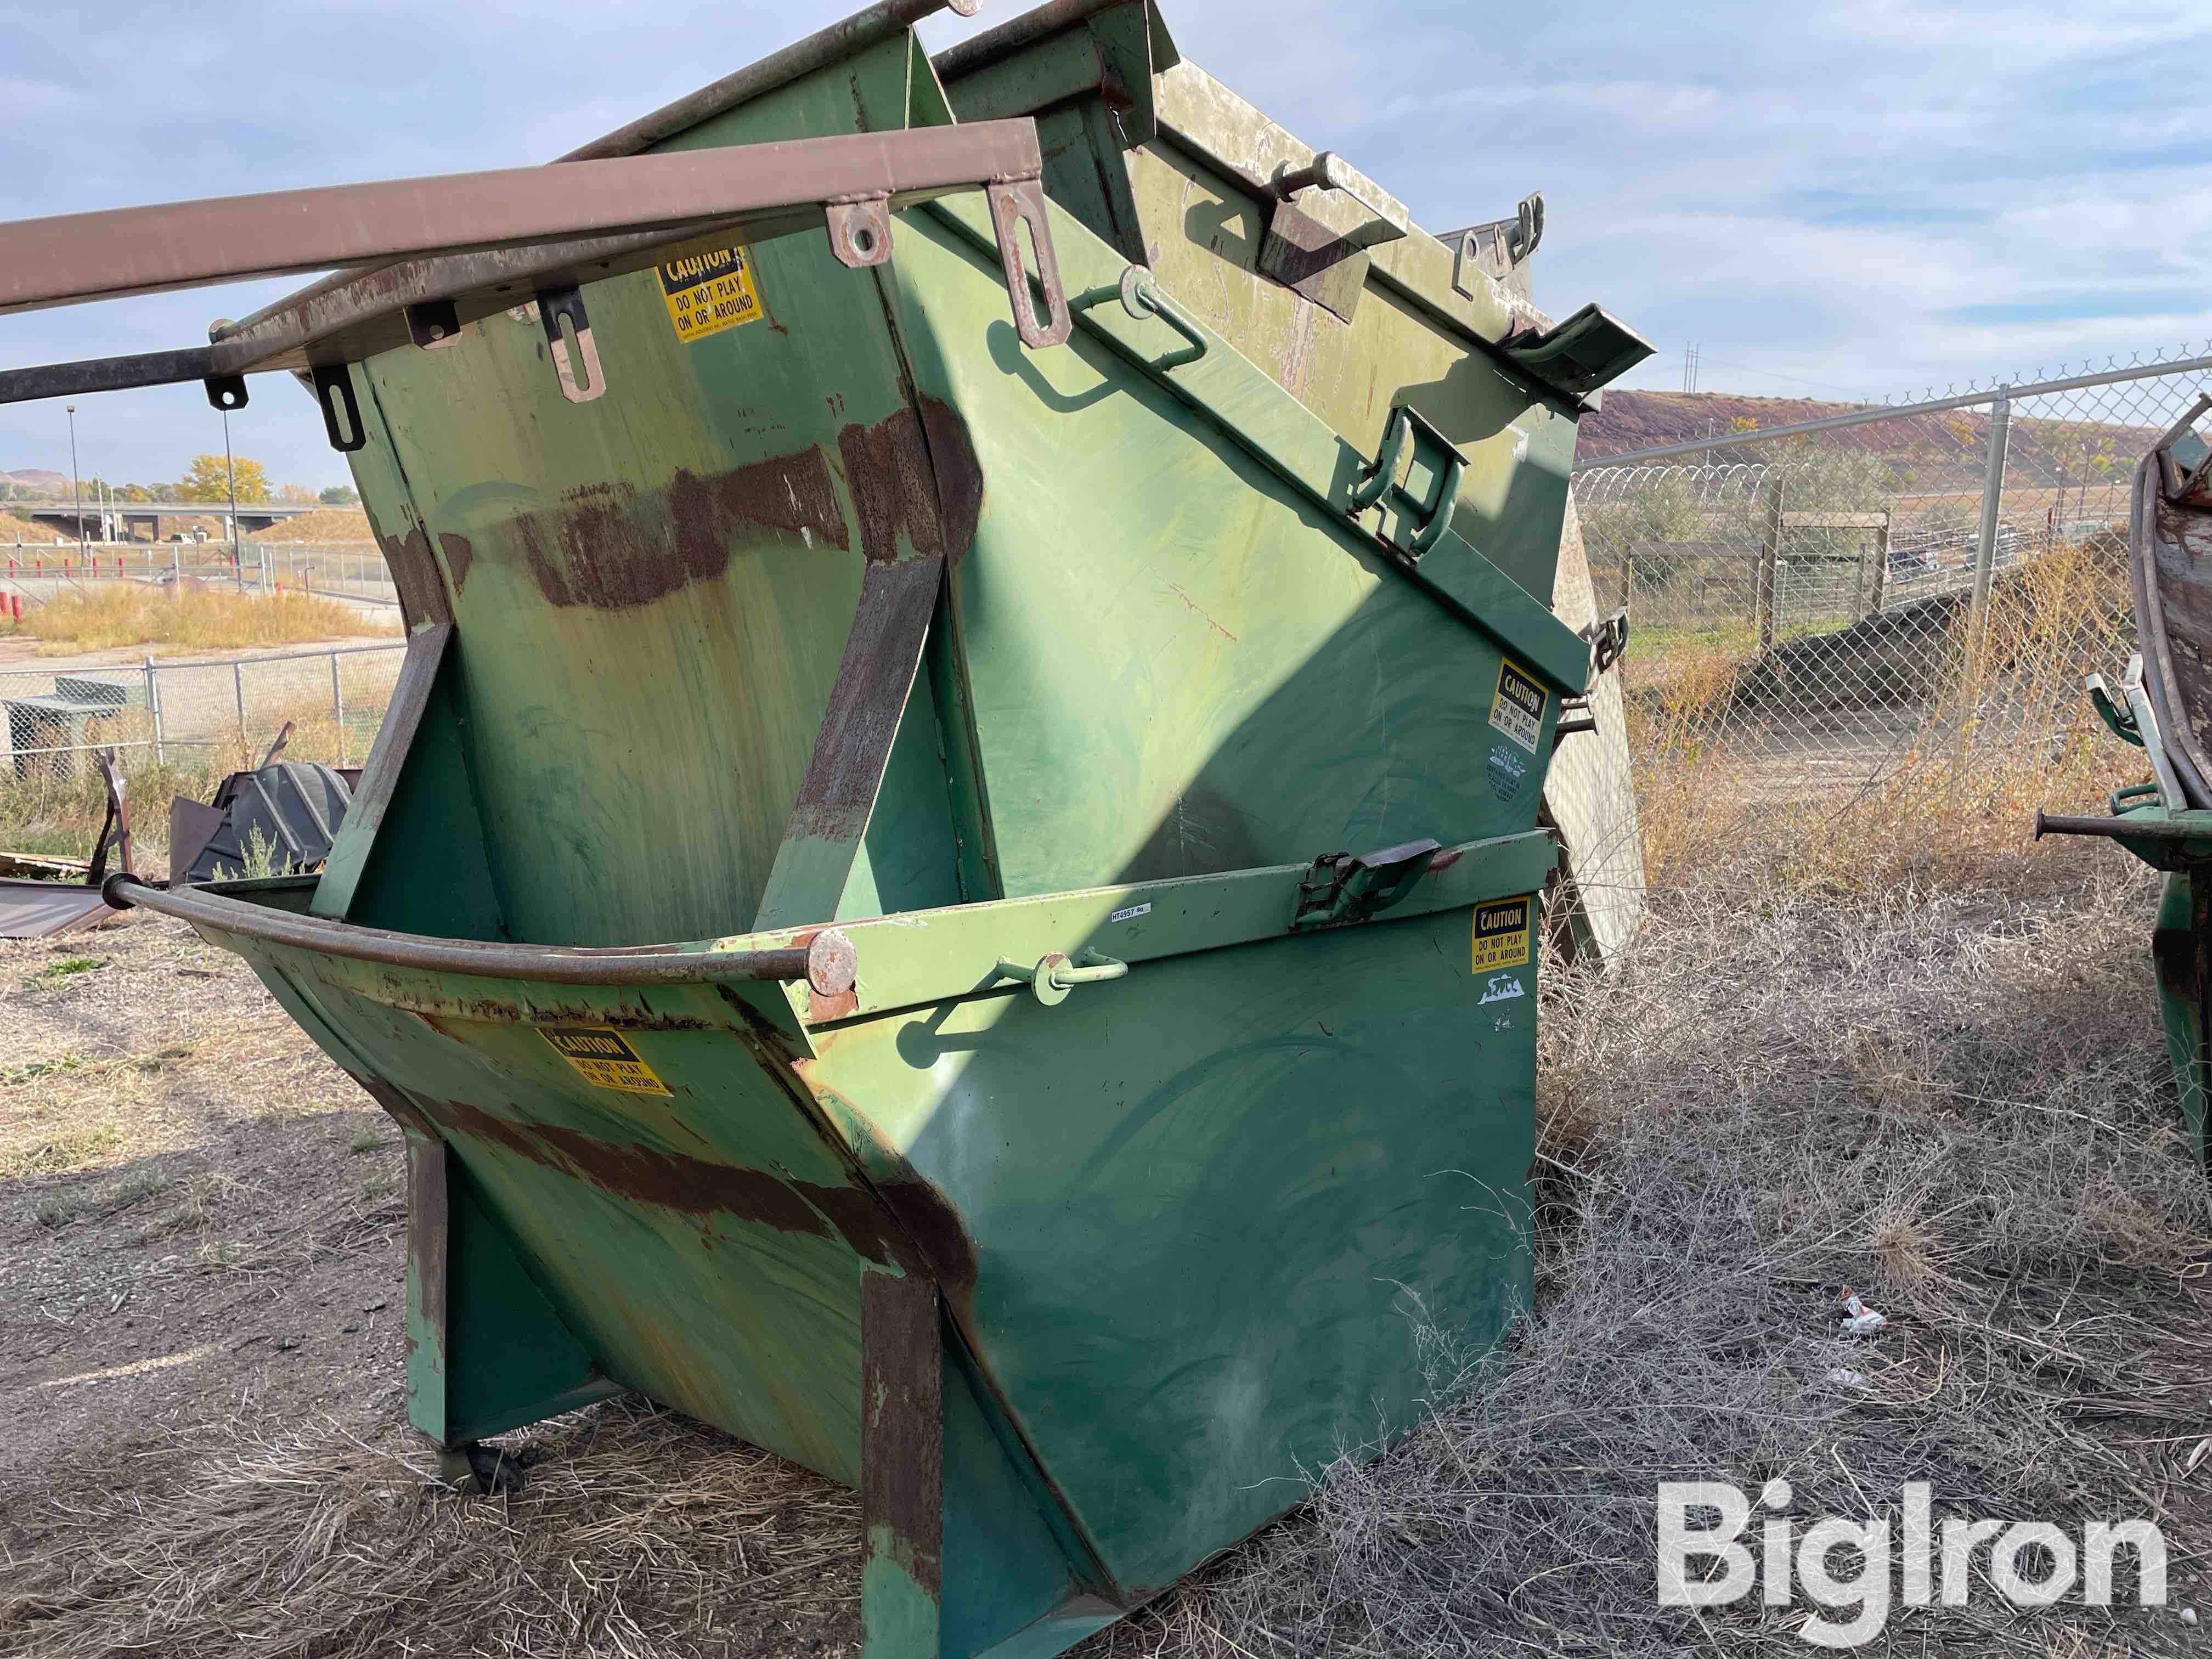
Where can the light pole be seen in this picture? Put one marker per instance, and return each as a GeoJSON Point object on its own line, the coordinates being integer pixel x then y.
{"type": "Point", "coordinates": [76, 491]}
{"type": "Point", "coordinates": [229, 466]}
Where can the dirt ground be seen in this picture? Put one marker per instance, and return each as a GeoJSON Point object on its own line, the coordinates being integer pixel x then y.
{"type": "Point", "coordinates": [198, 1210]}
{"type": "Point", "coordinates": [201, 1248]}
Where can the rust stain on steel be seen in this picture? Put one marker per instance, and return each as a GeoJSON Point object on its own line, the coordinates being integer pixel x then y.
{"type": "Point", "coordinates": [415, 575]}
{"type": "Point", "coordinates": [610, 546]}
{"type": "Point", "coordinates": [459, 555]}
{"type": "Point", "coordinates": [439, 1016]}
{"type": "Point", "coordinates": [918, 475]}
{"type": "Point", "coordinates": [930, 1227]}
{"type": "Point", "coordinates": [902, 1427]}
{"type": "Point", "coordinates": [695, 1186]}
{"type": "Point", "coordinates": [873, 678]}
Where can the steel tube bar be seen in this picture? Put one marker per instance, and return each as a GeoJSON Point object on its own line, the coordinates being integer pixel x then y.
{"type": "Point", "coordinates": [75, 258]}
{"type": "Point", "coordinates": [2122, 828]}
{"type": "Point", "coordinates": [558, 964]}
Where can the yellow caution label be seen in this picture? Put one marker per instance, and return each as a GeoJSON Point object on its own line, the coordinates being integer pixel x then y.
{"type": "Point", "coordinates": [1517, 709]}
{"type": "Point", "coordinates": [1501, 933]}
{"type": "Point", "coordinates": [601, 1055]}
{"type": "Point", "coordinates": [708, 288]}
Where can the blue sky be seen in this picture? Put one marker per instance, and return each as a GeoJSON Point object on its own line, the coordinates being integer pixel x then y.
{"type": "Point", "coordinates": [1832, 199]}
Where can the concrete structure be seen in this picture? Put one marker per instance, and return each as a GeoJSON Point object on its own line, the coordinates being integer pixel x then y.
{"type": "Point", "coordinates": [142, 522]}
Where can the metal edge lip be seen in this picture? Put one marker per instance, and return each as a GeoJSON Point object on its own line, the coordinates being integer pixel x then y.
{"type": "Point", "coordinates": [1526, 857]}
{"type": "Point", "coordinates": [787, 956]}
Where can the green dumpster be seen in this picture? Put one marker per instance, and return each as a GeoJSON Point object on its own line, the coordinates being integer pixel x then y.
{"type": "Point", "coordinates": [1083, 713]}
{"type": "Point", "coordinates": [2163, 706]}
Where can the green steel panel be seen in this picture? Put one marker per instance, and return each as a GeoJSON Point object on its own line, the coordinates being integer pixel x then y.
{"type": "Point", "coordinates": [1152, 1252]}
{"type": "Point", "coordinates": [1211, 1207]}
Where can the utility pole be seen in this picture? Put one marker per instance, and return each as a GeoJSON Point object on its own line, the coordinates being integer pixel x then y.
{"type": "Point", "coordinates": [230, 467]}
{"type": "Point", "coordinates": [77, 490]}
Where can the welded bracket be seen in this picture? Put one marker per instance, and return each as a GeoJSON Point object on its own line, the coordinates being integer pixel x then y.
{"type": "Point", "coordinates": [1588, 350]}
{"type": "Point", "coordinates": [1349, 887]}
{"type": "Point", "coordinates": [1017, 202]}
{"type": "Point", "coordinates": [1320, 246]}
{"type": "Point", "coordinates": [568, 338]}
{"type": "Point", "coordinates": [1496, 250]}
{"type": "Point", "coordinates": [860, 231]}
{"type": "Point", "coordinates": [1420, 525]}
{"type": "Point", "coordinates": [333, 388]}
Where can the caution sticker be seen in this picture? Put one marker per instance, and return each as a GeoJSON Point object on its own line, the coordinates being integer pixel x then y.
{"type": "Point", "coordinates": [708, 289]}
{"type": "Point", "coordinates": [601, 1055]}
{"type": "Point", "coordinates": [1517, 710]}
{"type": "Point", "coordinates": [1501, 933]}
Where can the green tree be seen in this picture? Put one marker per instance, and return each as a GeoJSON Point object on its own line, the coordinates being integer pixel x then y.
{"type": "Point", "coordinates": [340, 496]}
{"type": "Point", "coordinates": [208, 481]}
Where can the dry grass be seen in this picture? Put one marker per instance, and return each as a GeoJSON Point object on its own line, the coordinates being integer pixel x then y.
{"type": "Point", "coordinates": [328, 525]}
{"type": "Point", "coordinates": [189, 618]}
{"type": "Point", "coordinates": [1833, 804]}
{"type": "Point", "coordinates": [60, 815]}
{"type": "Point", "coordinates": [14, 528]}
{"type": "Point", "coordinates": [1957, 1102]}
{"type": "Point", "coordinates": [635, 1533]}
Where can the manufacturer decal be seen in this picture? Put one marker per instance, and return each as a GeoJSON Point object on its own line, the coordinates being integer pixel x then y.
{"type": "Point", "coordinates": [1517, 709]}
{"type": "Point", "coordinates": [708, 288]}
{"type": "Point", "coordinates": [1506, 769]}
{"type": "Point", "coordinates": [1132, 911]}
{"type": "Point", "coordinates": [1501, 935]}
{"type": "Point", "coordinates": [602, 1055]}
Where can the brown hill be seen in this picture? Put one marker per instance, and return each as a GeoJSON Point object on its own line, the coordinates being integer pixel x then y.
{"type": "Point", "coordinates": [40, 479]}
{"type": "Point", "coordinates": [1941, 451]}
{"type": "Point", "coordinates": [324, 525]}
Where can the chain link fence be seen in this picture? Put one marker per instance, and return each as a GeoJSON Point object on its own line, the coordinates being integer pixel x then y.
{"type": "Point", "coordinates": [353, 571]}
{"type": "Point", "coordinates": [1899, 604]}
{"type": "Point", "coordinates": [208, 715]}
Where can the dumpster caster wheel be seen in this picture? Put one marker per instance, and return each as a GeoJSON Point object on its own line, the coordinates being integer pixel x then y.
{"type": "Point", "coordinates": [479, 1469]}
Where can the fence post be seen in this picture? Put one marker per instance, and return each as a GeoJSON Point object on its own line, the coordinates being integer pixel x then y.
{"type": "Point", "coordinates": [153, 703]}
{"type": "Point", "coordinates": [337, 707]}
{"type": "Point", "coordinates": [238, 684]}
{"type": "Point", "coordinates": [1880, 566]}
{"type": "Point", "coordinates": [1985, 550]}
{"type": "Point", "coordinates": [1770, 550]}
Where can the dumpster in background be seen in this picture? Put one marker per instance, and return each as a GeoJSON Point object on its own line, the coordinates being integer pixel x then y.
{"type": "Point", "coordinates": [1091, 761]}
{"type": "Point", "coordinates": [2164, 707]}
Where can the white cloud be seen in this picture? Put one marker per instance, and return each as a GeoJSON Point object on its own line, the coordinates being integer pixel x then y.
{"type": "Point", "coordinates": [1843, 193]}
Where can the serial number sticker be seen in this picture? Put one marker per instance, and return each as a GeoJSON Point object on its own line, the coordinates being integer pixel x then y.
{"type": "Point", "coordinates": [1133, 910]}
{"type": "Point", "coordinates": [1501, 935]}
{"type": "Point", "coordinates": [602, 1055]}
{"type": "Point", "coordinates": [708, 289]}
{"type": "Point", "coordinates": [1517, 710]}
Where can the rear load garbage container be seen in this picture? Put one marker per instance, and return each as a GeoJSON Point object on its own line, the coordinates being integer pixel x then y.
{"type": "Point", "coordinates": [1067, 664]}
